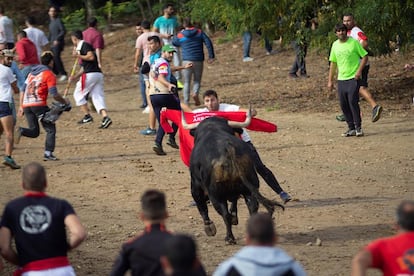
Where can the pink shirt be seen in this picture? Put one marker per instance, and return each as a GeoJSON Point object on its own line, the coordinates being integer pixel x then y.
{"type": "Point", "coordinates": [142, 43]}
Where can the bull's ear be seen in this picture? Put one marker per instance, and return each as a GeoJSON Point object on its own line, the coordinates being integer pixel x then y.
{"type": "Point", "coordinates": [192, 132]}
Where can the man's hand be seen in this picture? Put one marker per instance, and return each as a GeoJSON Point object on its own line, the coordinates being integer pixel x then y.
{"type": "Point", "coordinates": [188, 65]}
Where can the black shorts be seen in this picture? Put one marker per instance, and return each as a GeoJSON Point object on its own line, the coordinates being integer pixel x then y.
{"type": "Point", "coordinates": [5, 109]}
{"type": "Point", "coordinates": [364, 77]}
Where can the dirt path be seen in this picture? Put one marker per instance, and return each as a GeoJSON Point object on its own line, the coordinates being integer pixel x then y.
{"type": "Point", "coordinates": [345, 189]}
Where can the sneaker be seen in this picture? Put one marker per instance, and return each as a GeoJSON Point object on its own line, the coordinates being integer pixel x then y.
{"type": "Point", "coordinates": [293, 75]}
{"type": "Point", "coordinates": [171, 142]}
{"type": "Point", "coordinates": [158, 149]}
{"type": "Point", "coordinates": [247, 59]}
{"type": "Point", "coordinates": [340, 118]}
{"type": "Point", "coordinates": [106, 122]}
{"type": "Point", "coordinates": [8, 161]}
{"type": "Point", "coordinates": [87, 119]}
{"type": "Point", "coordinates": [376, 113]}
{"type": "Point", "coordinates": [359, 132]}
{"type": "Point", "coordinates": [196, 99]}
{"type": "Point", "coordinates": [180, 85]}
{"type": "Point", "coordinates": [349, 132]}
{"type": "Point", "coordinates": [49, 157]}
{"type": "Point", "coordinates": [146, 110]}
{"type": "Point", "coordinates": [148, 131]}
{"type": "Point", "coordinates": [142, 106]}
{"type": "Point", "coordinates": [17, 135]}
{"type": "Point", "coordinates": [63, 78]}
{"type": "Point", "coordinates": [285, 197]}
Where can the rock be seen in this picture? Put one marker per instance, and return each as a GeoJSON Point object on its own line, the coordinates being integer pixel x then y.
{"type": "Point", "coordinates": [318, 242]}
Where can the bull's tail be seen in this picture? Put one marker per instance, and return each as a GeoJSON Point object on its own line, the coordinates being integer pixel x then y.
{"type": "Point", "coordinates": [267, 203]}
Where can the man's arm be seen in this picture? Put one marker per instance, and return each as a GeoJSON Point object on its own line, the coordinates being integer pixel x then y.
{"type": "Point", "coordinates": [98, 52]}
{"type": "Point", "coordinates": [6, 249]}
{"type": "Point", "coordinates": [137, 57]}
{"type": "Point", "coordinates": [332, 71]}
{"type": "Point", "coordinates": [77, 233]}
{"type": "Point", "coordinates": [362, 64]}
{"type": "Point", "coordinates": [361, 262]}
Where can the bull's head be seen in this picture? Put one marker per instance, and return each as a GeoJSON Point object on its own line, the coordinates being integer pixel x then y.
{"type": "Point", "coordinates": [232, 124]}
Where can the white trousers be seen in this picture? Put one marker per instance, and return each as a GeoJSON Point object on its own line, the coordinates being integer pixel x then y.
{"type": "Point", "coordinates": [94, 88]}
{"type": "Point", "coordinates": [60, 271]}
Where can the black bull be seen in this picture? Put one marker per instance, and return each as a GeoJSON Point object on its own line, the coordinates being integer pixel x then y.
{"type": "Point", "coordinates": [222, 168]}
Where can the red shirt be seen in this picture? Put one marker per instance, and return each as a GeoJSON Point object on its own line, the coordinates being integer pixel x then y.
{"type": "Point", "coordinates": [394, 255]}
{"type": "Point", "coordinates": [27, 52]}
{"type": "Point", "coordinates": [93, 37]}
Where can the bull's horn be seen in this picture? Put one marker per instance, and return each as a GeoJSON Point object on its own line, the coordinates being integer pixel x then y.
{"type": "Point", "coordinates": [184, 122]}
{"type": "Point", "coordinates": [246, 122]}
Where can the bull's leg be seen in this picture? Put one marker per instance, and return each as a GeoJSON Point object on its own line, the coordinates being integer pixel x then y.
{"type": "Point", "coordinates": [200, 199]}
{"type": "Point", "coordinates": [233, 212]}
{"type": "Point", "coordinates": [222, 209]}
{"type": "Point", "coordinates": [252, 203]}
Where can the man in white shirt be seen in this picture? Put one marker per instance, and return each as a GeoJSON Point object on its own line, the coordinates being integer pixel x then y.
{"type": "Point", "coordinates": [36, 35]}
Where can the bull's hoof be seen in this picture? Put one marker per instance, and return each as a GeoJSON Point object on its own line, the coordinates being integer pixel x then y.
{"type": "Point", "coordinates": [230, 241]}
{"type": "Point", "coordinates": [234, 219]}
{"type": "Point", "coordinates": [210, 229]}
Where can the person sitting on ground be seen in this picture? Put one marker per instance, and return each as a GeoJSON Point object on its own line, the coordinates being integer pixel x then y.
{"type": "Point", "coordinates": [38, 225]}
{"type": "Point", "coordinates": [180, 257]}
{"type": "Point", "coordinates": [259, 256]}
{"type": "Point", "coordinates": [212, 103]}
{"type": "Point", "coordinates": [141, 255]}
{"type": "Point", "coordinates": [392, 255]}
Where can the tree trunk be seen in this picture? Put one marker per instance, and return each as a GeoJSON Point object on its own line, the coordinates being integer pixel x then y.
{"type": "Point", "coordinates": [141, 8]}
{"type": "Point", "coordinates": [150, 13]}
{"type": "Point", "coordinates": [90, 11]}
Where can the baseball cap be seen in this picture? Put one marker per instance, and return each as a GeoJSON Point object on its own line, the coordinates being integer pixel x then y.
{"type": "Point", "coordinates": [7, 53]}
{"type": "Point", "coordinates": [168, 48]}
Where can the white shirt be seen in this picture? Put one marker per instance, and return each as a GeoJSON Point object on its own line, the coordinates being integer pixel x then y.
{"type": "Point", "coordinates": [6, 30]}
{"type": "Point", "coordinates": [227, 107]}
{"type": "Point", "coordinates": [6, 79]}
{"type": "Point", "coordinates": [38, 37]}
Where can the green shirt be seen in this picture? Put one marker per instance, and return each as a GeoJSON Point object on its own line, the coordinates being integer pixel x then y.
{"type": "Point", "coordinates": [347, 56]}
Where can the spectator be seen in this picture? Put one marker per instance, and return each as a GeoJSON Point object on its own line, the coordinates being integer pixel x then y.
{"type": "Point", "coordinates": [90, 81]}
{"type": "Point", "coordinates": [162, 94]}
{"type": "Point", "coordinates": [6, 30]}
{"type": "Point", "coordinates": [247, 41]}
{"type": "Point", "coordinates": [57, 33]}
{"type": "Point", "coordinates": [33, 104]}
{"type": "Point", "coordinates": [180, 257]}
{"type": "Point", "coordinates": [167, 26]}
{"type": "Point", "coordinates": [392, 255]}
{"type": "Point", "coordinates": [139, 31]}
{"type": "Point", "coordinates": [259, 256]}
{"type": "Point", "coordinates": [36, 35]}
{"type": "Point", "coordinates": [349, 57]}
{"type": "Point", "coordinates": [92, 36]}
{"type": "Point", "coordinates": [141, 255]}
{"type": "Point", "coordinates": [356, 33]}
{"type": "Point", "coordinates": [26, 53]}
{"type": "Point", "coordinates": [409, 66]}
{"type": "Point", "coordinates": [38, 224]}
{"type": "Point", "coordinates": [300, 46]}
{"type": "Point", "coordinates": [191, 41]}
{"type": "Point", "coordinates": [8, 85]}
{"type": "Point", "coordinates": [212, 103]}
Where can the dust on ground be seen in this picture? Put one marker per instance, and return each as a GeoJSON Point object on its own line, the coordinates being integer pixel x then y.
{"type": "Point", "coordinates": [345, 189]}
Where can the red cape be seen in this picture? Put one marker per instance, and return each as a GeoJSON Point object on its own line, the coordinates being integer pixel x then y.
{"type": "Point", "coordinates": [187, 141]}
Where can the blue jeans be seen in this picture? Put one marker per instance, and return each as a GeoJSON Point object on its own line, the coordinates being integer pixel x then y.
{"type": "Point", "coordinates": [142, 87]}
{"type": "Point", "coordinates": [299, 64]}
{"type": "Point", "coordinates": [247, 41]}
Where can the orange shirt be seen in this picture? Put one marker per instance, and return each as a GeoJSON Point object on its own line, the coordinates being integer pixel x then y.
{"type": "Point", "coordinates": [37, 88]}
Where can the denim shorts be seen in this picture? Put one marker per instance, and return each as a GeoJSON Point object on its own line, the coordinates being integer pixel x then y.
{"type": "Point", "coordinates": [5, 109]}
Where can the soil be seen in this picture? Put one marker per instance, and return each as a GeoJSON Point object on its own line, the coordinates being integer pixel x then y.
{"type": "Point", "coordinates": [345, 189]}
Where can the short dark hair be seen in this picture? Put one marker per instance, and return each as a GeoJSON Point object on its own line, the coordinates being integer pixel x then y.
{"type": "Point", "coordinates": [46, 58]}
{"type": "Point", "coordinates": [348, 14]}
{"type": "Point", "coordinates": [153, 205]}
{"type": "Point", "coordinates": [78, 34]}
{"type": "Point", "coordinates": [34, 177]}
{"type": "Point", "coordinates": [22, 33]}
{"type": "Point", "coordinates": [187, 22]}
{"type": "Point", "coordinates": [180, 250]}
{"type": "Point", "coordinates": [154, 38]}
{"type": "Point", "coordinates": [209, 93]}
{"type": "Point", "coordinates": [260, 228]}
{"type": "Point", "coordinates": [92, 21]}
{"type": "Point", "coordinates": [405, 215]}
{"type": "Point", "coordinates": [145, 24]}
{"type": "Point", "coordinates": [340, 27]}
{"type": "Point", "coordinates": [167, 5]}
{"type": "Point", "coordinates": [31, 20]}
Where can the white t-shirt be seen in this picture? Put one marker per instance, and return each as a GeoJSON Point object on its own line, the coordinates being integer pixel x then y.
{"type": "Point", "coordinates": [38, 37]}
{"type": "Point", "coordinates": [6, 79]}
{"type": "Point", "coordinates": [6, 30]}
{"type": "Point", "coordinates": [227, 107]}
